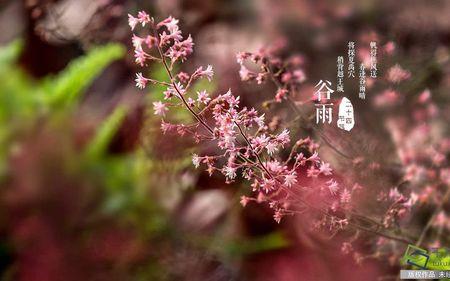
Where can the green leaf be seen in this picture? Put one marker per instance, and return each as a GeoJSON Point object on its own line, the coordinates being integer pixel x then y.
{"type": "Point", "coordinates": [10, 53]}
{"type": "Point", "coordinates": [65, 89]}
{"type": "Point", "coordinates": [101, 140]}
{"type": "Point", "coordinates": [272, 241]}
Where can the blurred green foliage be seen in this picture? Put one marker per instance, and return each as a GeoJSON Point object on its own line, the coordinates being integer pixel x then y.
{"type": "Point", "coordinates": [25, 101]}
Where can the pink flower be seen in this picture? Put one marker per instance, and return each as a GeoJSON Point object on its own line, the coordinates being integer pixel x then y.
{"type": "Point", "coordinates": [160, 108]}
{"type": "Point", "coordinates": [244, 200]}
{"type": "Point", "coordinates": [141, 81]}
{"type": "Point", "coordinates": [424, 96]}
{"type": "Point", "coordinates": [171, 91]}
{"type": "Point", "coordinates": [208, 72]}
{"type": "Point", "coordinates": [244, 73]}
{"type": "Point", "coordinates": [203, 97]}
{"type": "Point", "coordinates": [140, 56]}
{"type": "Point", "coordinates": [137, 41]}
{"type": "Point", "coordinates": [132, 21]}
{"type": "Point", "coordinates": [345, 196]}
{"type": "Point", "coordinates": [271, 148]}
{"type": "Point", "coordinates": [181, 50]}
{"type": "Point", "coordinates": [333, 186]}
{"type": "Point", "coordinates": [278, 216]}
{"type": "Point", "coordinates": [314, 158]}
{"type": "Point", "coordinates": [394, 194]}
{"type": "Point", "coordinates": [346, 248]}
{"type": "Point", "coordinates": [165, 38]}
{"type": "Point", "coordinates": [196, 160]}
{"type": "Point", "coordinates": [170, 23]}
{"type": "Point", "coordinates": [442, 220]}
{"type": "Point", "coordinates": [283, 138]}
{"type": "Point", "coordinates": [190, 102]}
{"type": "Point", "coordinates": [299, 76]}
{"type": "Point", "coordinates": [260, 141]}
{"type": "Point", "coordinates": [260, 121]}
{"type": "Point", "coordinates": [387, 98]}
{"type": "Point", "coordinates": [325, 169]}
{"type": "Point", "coordinates": [281, 94]}
{"type": "Point", "coordinates": [166, 127]}
{"type": "Point", "coordinates": [241, 56]}
{"type": "Point", "coordinates": [183, 77]}
{"type": "Point", "coordinates": [143, 17]}
{"type": "Point", "coordinates": [397, 74]}
{"type": "Point", "coordinates": [389, 48]}
{"type": "Point", "coordinates": [261, 77]}
{"type": "Point", "coordinates": [312, 172]}
{"type": "Point", "coordinates": [290, 179]}
{"type": "Point", "coordinates": [286, 77]}
{"type": "Point", "coordinates": [229, 172]}
{"type": "Point", "coordinates": [150, 41]}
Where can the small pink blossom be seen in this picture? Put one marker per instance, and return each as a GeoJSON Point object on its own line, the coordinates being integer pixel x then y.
{"type": "Point", "coordinates": [271, 147]}
{"type": "Point", "coordinates": [278, 216]}
{"type": "Point", "coordinates": [333, 186]}
{"type": "Point", "coordinates": [137, 41]}
{"type": "Point", "coordinates": [230, 172]}
{"type": "Point", "coordinates": [283, 138]}
{"type": "Point", "coordinates": [346, 196]}
{"type": "Point", "coordinates": [346, 248]}
{"type": "Point", "coordinates": [325, 169]}
{"type": "Point", "coordinates": [181, 50]}
{"type": "Point", "coordinates": [166, 127]}
{"type": "Point", "coordinates": [140, 56]}
{"type": "Point", "coordinates": [389, 48]}
{"type": "Point", "coordinates": [203, 97]}
{"type": "Point", "coordinates": [397, 74]}
{"type": "Point", "coordinates": [170, 23]}
{"type": "Point", "coordinates": [244, 73]}
{"type": "Point", "coordinates": [241, 56]}
{"type": "Point", "coordinates": [424, 97]}
{"type": "Point", "coordinates": [290, 179]}
{"type": "Point", "coordinates": [281, 95]}
{"type": "Point", "coordinates": [144, 18]}
{"type": "Point", "coordinates": [314, 157]}
{"type": "Point", "coordinates": [394, 194]}
{"type": "Point", "coordinates": [196, 160]}
{"type": "Point", "coordinates": [132, 21]}
{"type": "Point", "coordinates": [208, 72]}
{"type": "Point", "coordinates": [183, 77]}
{"type": "Point", "coordinates": [245, 200]}
{"type": "Point", "coordinates": [141, 81]}
{"type": "Point", "coordinates": [299, 76]}
{"type": "Point", "coordinates": [312, 172]}
{"type": "Point", "coordinates": [160, 108]}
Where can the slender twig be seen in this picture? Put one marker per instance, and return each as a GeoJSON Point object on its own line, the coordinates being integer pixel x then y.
{"type": "Point", "coordinates": [433, 216]}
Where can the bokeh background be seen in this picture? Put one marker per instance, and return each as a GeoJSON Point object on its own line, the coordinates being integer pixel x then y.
{"type": "Point", "coordinates": [90, 189]}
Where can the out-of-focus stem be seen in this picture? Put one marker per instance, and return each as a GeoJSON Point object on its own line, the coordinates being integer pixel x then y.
{"type": "Point", "coordinates": [431, 220]}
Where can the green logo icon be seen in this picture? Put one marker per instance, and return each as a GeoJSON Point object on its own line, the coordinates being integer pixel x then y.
{"type": "Point", "coordinates": [416, 256]}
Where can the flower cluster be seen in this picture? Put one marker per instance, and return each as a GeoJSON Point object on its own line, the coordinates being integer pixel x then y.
{"type": "Point", "coordinates": [246, 145]}
{"type": "Point", "coordinates": [287, 74]}
{"type": "Point", "coordinates": [426, 170]}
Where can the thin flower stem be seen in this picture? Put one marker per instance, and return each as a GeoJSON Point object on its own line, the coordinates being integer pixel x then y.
{"type": "Point", "coordinates": [253, 151]}
{"type": "Point", "coordinates": [169, 72]}
{"type": "Point", "coordinates": [357, 226]}
{"type": "Point", "coordinates": [153, 81]}
{"type": "Point", "coordinates": [431, 220]}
